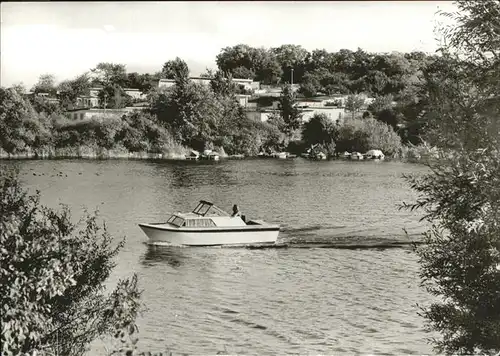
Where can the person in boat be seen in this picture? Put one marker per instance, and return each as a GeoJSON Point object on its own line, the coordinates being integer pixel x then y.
{"type": "Point", "coordinates": [236, 211]}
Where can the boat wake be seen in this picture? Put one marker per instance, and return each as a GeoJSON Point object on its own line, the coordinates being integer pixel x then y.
{"type": "Point", "coordinates": [343, 245]}
{"type": "Point", "coordinates": [350, 245]}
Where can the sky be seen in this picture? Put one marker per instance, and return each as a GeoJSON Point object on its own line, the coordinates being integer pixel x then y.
{"type": "Point", "coordinates": [69, 38]}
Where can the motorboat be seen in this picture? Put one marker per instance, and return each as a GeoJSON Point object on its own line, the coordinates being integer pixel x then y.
{"type": "Point", "coordinates": [374, 154]}
{"type": "Point", "coordinates": [356, 156]}
{"type": "Point", "coordinates": [281, 155]}
{"type": "Point", "coordinates": [210, 155]}
{"type": "Point", "coordinates": [313, 153]}
{"type": "Point", "coordinates": [193, 155]}
{"type": "Point", "coordinates": [208, 225]}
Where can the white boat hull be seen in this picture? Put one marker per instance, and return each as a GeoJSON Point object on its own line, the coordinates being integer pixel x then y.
{"type": "Point", "coordinates": [252, 234]}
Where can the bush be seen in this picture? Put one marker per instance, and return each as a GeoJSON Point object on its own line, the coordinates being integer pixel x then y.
{"type": "Point", "coordinates": [52, 277]}
{"type": "Point", "coordinates": [19, 123]}
{"type": "Point", "coordinates": [139, 133]}
{"type": "Point", "coordinates": [361, 135]}
{"type": "Point", "coordinates": [297, 147]}
{"type": "Point", "coordinates": [320, 129]}
{"type": "Point", "coordinates": [460, 259]}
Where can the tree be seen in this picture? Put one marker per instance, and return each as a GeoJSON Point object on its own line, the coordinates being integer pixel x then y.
{"type": "Point", "coordinates": [266, 66]}
{"type": "Point", "coordinates": [45, 84]}
{"type": "Point", "coordinates": [208, 73]}
{"type": "Point", "coordinates": [114, 97]}
{"type": "Point", "coordinates": [237, 60]}
{"type": "Point", "coordinates": [289, 113]}
{"type": "Point", "coordinates": [222, 85]}
{"type": "Point", "coordinates": [320, 129]}
{"type": "Point", "coordinates": [43, 105]}
{"type": "Point", "coordinates": [310, 85]}
{"type": "Point", "coordinates": [110, 76]}
{"type": "Point", "coordinates": [52, 278]}
{"type": "Point", "coordinates": [354, 103]}
{"type": "Point", "coordinates": [461, 196]}
{"type": "Point", "coordinates": [243, 73]}
{"type": "Point", "coordinates": [70, 90]}
{"type": "Point", "coordinates": [361, 135]}
{"type": "Point", "coordinates": [176, 69]}
{"type": "Point", "coordinates": [291, 57]}
{"type": "Point", "coordinates": [391, 117]}
{"type": "Point", "coordinates": [191, 113]}
{"type": "Point", "coordinates": [19, 123]}
{"type": "Point", "coordinates": [380, 103]}
{"type": "Point", "coordinates": [377, 81]}
{"type": "Point", "coordinates": [332, 83]}
{"type": "Point", "coordinates": [139, 81]}
{"type": "Point", "coordinates": [107, 74]}
{"type": "Point", "coordinates": [274, 139]}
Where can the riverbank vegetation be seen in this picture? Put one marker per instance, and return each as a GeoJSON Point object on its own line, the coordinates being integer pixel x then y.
{"type": "Point", "coordinates": [52, 278]}
{"type": "Point", "coordinates": [190, 115]}
{"type": "Point", "coordinates": [460, 261]}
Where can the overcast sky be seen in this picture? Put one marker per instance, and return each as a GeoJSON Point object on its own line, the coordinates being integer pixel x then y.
{"type": "Point", "coordinates": [67, 39]}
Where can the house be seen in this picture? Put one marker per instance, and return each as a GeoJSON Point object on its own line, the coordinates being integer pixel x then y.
{"type": "Point", "coordinates": [166, 83]}
{"type": "Point", "coordinates": [333, 113]}
{"type": "Point", "coordinates": [261, 107]}
{"type": "Point", "coordinates": [87, 101]}
{"type": "Point", "coordinates": [50, 98]}
{"type": "Point", "coordinates": [136, 94]}
{"type": "Point", "coordinates": [243, 99]}
{"type": "Point", "coordinates": [91, 98]}
{"type": "Point", "coordinates": [86, 113]}
{"type": "Point", "coordinates": [201, 80]}
{"type": "Point", "coordinates": [247, 84]}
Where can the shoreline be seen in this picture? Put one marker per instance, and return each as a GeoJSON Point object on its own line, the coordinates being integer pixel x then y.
{"type": "Point", "coordinates": [91, 153]}
{"type": "Point", "coordinates": [144, 156]}
{"type": "Point", "coordinates": [88, 153]}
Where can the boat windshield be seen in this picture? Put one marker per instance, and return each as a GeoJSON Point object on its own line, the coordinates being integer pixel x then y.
{"type": "Point", "coordinates": [205, 208]}
{"type": "Point", "coordinates": [175, 220]}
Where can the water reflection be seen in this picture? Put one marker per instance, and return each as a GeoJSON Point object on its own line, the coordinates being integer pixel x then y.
{"type": "Point", "coordinates": [205, 173]}
{"type": "Point", "coordinates": [173, 256]}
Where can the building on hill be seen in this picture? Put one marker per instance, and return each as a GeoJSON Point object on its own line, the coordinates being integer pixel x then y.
{"type": "Point", "coordinates": [246, 84]}
{"type": "Point", "coordinates": [166, 83]}
{"type": "Point", "coordinates": [49, 97]}
{"type": "Point", "coordinates": [135, 94]}
{"type": "Point", "coordinates": [334, 114]}
{"type": "Point", "coordinates": [259, 108]}
{"type": "Point", "coordinates": [243, 99]}
{"type": "Point", "coordinates": [91, 98]}
{"type": "Point", "coordinates": [87, 101]}
{"type": "Point", "coordinates": [99, 114]}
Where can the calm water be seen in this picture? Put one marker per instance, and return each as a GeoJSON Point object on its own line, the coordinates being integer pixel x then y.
{"type": "Point", "coordinates": [271, 301]}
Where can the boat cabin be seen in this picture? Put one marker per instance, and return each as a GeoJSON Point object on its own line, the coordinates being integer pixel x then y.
{"type": "Point", "coordinates": [205, 215]}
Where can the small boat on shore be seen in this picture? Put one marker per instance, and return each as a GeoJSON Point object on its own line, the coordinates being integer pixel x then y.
{"type": "Point", "coordinates": [208, 225]}
{"type": "Point", "coordinates": [210, 155]}
{"type": "Point", "coordinates": [356, 156]}
{"type": "Point", "coordinates": [193, 155]}
{"type": "Point", "coordinates": [374, 154]}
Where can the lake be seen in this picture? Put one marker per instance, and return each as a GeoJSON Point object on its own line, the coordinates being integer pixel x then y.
{"type": "Point", "coordinates": [293, 300]}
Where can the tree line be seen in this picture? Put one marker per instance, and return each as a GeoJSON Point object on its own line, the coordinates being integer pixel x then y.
{"type": "Point", "coordinates": [187, 114]}
{"type": "Point", "coordinates": [199, 117]}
